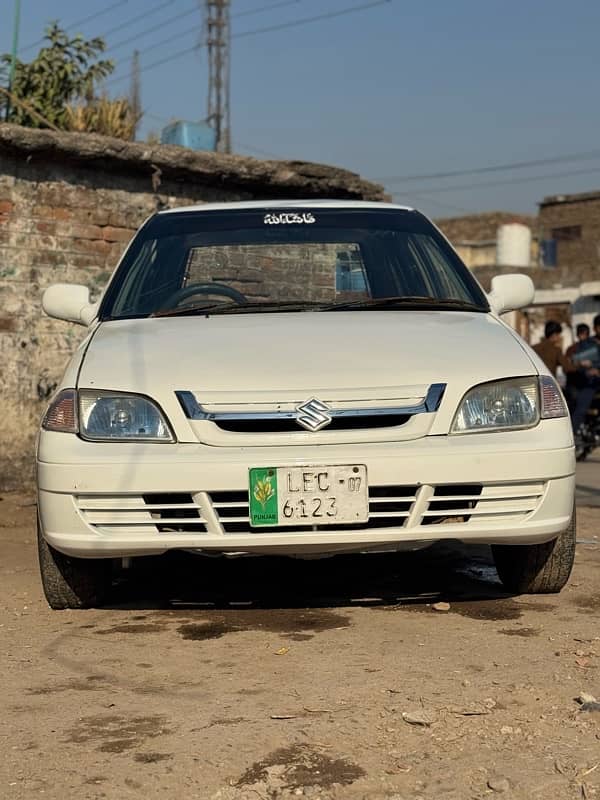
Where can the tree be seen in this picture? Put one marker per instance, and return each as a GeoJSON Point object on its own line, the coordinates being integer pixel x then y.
{"type": "Point", "coordinates": [64, 71]}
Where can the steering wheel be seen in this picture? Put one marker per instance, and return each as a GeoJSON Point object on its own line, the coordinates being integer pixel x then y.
{"type": "Point", "coordinates": [204, 288]}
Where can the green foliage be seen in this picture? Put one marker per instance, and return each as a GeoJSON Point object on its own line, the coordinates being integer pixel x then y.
{"type": "Point", "coordinates": [64, 71]}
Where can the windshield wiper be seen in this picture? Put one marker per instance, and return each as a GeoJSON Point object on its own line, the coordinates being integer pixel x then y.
{"type": "Point", "coordinates": [241, 308]}
{"type": "Point", "coordinates": [413, 301]}
{"type": "Point", "coordinates": [267, 307]}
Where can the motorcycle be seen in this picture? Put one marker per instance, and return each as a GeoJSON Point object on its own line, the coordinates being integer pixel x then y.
{"type": "Point", "coordinates": [588, 435]}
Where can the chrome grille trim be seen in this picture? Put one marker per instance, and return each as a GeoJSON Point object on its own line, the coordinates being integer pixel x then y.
{"type": "Point", "coordinates": [193, 410]}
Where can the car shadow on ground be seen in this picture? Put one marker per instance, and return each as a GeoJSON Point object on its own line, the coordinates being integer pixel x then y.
{"type": "Point", "coordinates": [445, 572]}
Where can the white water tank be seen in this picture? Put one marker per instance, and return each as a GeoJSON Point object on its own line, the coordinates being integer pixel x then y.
{"type": "Point", "coordinates": [513, 245]}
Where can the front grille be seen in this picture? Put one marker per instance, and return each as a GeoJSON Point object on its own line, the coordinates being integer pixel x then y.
{"type": "Point", "coordinates": [147, 513]}
{"type": "Point", "coordinates": [462, 503]}
{"type": "Point", "coordinates": [394, 506]}
{"type": "Point", "coordinates": [291, 425]}
{"type": "Point", "coordinates": [401, 506]}
{"type": "Point", "coordinates": [452, 503]}
{"type": "Point", "coordinates": [388, 507]}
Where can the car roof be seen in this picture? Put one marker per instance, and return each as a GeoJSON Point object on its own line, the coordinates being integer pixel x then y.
{"type": "Point", "coordinates": [269, 205]}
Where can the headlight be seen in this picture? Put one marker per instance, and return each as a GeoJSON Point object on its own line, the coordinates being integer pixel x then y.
{"type": "Point", "coordinates": [110, 415]}
{"type": "Point", "coordinates": [502, 405]}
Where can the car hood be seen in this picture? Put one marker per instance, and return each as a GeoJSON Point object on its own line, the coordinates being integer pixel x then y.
{"type": "Point", "coordinates": [294, 356]}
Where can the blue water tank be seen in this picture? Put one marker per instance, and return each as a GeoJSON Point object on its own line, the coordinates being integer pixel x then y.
{"type": "Point", "coordinates": [195, 135]}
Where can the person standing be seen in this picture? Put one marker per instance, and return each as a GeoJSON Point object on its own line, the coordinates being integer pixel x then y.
{"type": "Point", "coordinates": [582, 333]}
{"type": "Point", "coordinates": [550, 349]}
{"type": "Point", "coordinates": [583, 348]}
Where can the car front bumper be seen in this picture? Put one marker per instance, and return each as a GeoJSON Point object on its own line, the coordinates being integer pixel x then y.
{"type": "Point", "coordinates": [126, 499]}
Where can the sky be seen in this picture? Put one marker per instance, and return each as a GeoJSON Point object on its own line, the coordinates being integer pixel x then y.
{"type": "Point", "coordinates": [393, 90]}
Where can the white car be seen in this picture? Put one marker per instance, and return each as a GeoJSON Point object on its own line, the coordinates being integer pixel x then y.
{"type": "Point", "coordinates": [299, 378]}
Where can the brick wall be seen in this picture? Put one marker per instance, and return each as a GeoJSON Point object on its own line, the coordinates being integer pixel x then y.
{"type": "Point", "coordinates": [68, 206]}
{"type": "Point", "coordinates": [573, 221]}
{"type": "Point", "coordinates": [271, 272]}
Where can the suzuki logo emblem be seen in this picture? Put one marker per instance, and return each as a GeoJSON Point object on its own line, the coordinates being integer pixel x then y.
{"type": "Point", "coordinates": [313, 415]}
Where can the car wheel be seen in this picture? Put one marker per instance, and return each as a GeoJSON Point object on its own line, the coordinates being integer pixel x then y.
{"type": "Point", "coordinates": [537, 568]}
{"type": "Point", "coordinates": [72, 582]}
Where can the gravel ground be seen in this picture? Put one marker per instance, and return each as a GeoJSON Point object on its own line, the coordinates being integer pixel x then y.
{"type": "Point", "coordinates": [267, 678]}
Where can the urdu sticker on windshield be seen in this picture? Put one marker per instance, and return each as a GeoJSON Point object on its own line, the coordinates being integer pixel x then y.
{"type": "Point", "coordinates": [289, 219]}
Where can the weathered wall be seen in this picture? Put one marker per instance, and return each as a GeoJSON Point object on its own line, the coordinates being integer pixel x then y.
{"type": "Point", "coordinates": [270, 272]}
{"type": "Point", "coordinates": [480, 227]}
{"type": "Point", "coordinates": [69, 203]}
{"type": "Point", "coordinates": [542, 277]}
{"type": "Point", "coordinates": [573, 221]}
{"type": "Point", "coordinates": [474, 235]}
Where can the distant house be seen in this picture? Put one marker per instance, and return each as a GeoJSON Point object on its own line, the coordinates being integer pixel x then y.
{"type": "Point", "coordinates": [569, 226]}
{"type": "Point", "coordinates": [475, 236]}
{"type": "Point", "coordinates": [563, 262]}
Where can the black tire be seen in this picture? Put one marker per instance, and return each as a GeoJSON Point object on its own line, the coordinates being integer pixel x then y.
{"type": "Point", "coordinates": [537, 568]}
{"type": "Point", "coordinates": [72, 582]}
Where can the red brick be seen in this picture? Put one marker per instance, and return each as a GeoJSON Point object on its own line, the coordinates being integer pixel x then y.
{"type": "Point", "coordinates": [78, 231]}
{"type": "Point", "coordinates": [82, 261]}
{"type": "Point", "coordinates": [8, 324]}
{"type": "Point", "coordinates": [91, 216]}
{"type": "Point", "coordinates": [52, 212]}
{"type": "Point", "coordinates": [6, 206]}
{"type": "Point", "coordinates": [63, 195]}
{"type": "Point", "coordinates": [46, 227]}
{"type": "Point", "coordinates": [93, 246]}
{"type": "Point", "coordinates": [111, 234]}
{"type": "Point", "coordinates": [48, 258]}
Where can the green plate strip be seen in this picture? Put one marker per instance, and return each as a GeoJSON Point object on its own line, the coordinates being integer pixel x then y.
{"type": "Point", "coordinates": [263, 496]}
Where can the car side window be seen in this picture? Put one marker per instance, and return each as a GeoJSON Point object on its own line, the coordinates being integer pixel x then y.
{"type": "Point", "coordinates": [433, 264]}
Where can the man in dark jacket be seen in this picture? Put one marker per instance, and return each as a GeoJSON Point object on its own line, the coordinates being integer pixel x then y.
{"type": "Point", "coordinates": [550, 351]}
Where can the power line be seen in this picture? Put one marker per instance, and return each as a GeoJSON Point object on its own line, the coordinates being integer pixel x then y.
{"type": "Point", "coordinates": [155, 45]}
{"type": "Point", "coordinates": [493, 168]}
{"type": "Point", "coordinates": [306, 20]}
{"type": "Point", "coordinates": [137, 18]}
{"type": "Point", "coordinates": [508, 182]}
{"type": "Point", "coordinates": [269, 29]}
{"type": "Point", "coordinates": [425, 199]}
{"type": "Point", "coordinates": [268, 7]}
{"type": "Point", "coordinates": [77, 24]}
{"type": "Point", "coordinates": [178, 34]}
{"type": "Point", "coordinates": [140, 34]}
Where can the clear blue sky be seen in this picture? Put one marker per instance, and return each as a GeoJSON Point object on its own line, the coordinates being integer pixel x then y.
{"type": "Point", "coordinates": [398, 89]}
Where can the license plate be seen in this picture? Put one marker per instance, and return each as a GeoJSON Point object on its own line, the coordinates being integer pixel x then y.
{"type": "Point", "coordinates": [294, 496]}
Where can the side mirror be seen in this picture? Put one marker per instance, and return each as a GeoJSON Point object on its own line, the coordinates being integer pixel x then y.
{"type": "Point", "coordinates": [510, 292]}
{"type": "Point", "coordinates": [69, 302]}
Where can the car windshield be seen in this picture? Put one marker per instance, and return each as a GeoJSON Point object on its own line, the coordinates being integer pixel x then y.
{"type": "Point", "coordinates": [313, 259]}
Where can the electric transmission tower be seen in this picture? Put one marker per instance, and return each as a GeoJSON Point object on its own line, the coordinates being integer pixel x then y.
{"type": "Point", "coordinates": [218, 37]}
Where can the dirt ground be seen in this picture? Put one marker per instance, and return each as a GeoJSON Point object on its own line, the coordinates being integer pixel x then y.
{"type": "Point", "coordinates": [267, 678]}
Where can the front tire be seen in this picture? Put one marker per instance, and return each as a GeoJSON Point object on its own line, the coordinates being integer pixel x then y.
{"type": "Point", "coordinates": [72, 582]}
{"type": "Point", "coordinates": [537, 568]}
